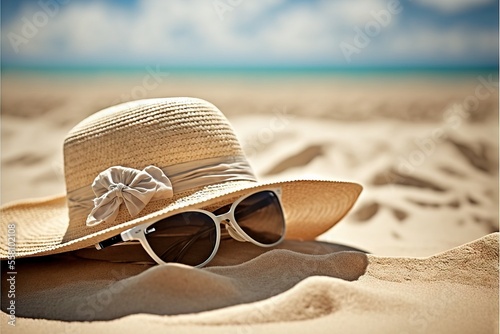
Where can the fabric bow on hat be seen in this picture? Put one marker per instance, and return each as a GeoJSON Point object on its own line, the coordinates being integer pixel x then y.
{"type": "Point", "coordinates": [135, 188]}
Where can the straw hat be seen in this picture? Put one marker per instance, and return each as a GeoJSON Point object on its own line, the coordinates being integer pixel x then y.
{"type": "Point", "coordinates": [178, 153]}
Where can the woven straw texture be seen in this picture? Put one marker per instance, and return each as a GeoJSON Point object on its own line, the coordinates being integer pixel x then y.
{"type": "Point", "coordinates": [160, 132]}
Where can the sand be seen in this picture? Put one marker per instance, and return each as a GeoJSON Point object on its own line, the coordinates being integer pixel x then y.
{"type": "Point", "coordinates": [427, 215]}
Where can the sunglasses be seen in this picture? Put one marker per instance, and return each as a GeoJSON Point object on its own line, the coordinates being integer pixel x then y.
{"type": "Point", "coordinates": [193, 237]}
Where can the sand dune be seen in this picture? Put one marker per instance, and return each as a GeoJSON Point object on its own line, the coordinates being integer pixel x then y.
{"type": "Point", "coordinates": [319, 292]}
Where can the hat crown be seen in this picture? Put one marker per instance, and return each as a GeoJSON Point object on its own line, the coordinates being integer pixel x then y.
{"type": "Point", "coordinates": [160, 132]}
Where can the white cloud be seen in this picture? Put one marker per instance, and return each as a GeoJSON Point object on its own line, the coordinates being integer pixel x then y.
{"type": "Point", "coordinates": [450, 44]}
{"type": "Point", "coordinates": [352, 12]}
{"type": "Point", "coordinates": [453, 6]}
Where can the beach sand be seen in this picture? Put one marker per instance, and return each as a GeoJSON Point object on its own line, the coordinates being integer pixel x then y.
{"type": "Point", "coordinates": [424, 148]}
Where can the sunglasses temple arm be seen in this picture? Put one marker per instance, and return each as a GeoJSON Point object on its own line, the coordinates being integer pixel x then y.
{"type": "Point", "coordinates": [109, 242]}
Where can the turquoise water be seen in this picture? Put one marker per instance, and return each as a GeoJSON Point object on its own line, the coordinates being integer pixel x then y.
{"type": "Point", "coordinates": [360, 72]}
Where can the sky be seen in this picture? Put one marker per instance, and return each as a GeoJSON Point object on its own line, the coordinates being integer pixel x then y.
{"type": "Point", "coordinates": [249, 33]}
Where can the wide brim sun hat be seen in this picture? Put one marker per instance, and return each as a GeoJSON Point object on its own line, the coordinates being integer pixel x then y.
{"type": "Point", "coordinates": [140, 161]}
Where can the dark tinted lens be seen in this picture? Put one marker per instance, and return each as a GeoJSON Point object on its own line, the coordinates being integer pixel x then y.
{"type": "Point", "coordinates": [261, 217]}
{"type": "Point", "coordinates": [187, 238]}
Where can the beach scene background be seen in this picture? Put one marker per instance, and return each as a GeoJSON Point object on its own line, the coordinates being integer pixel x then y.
{"type": "Point", "coordinates": [399, 96]}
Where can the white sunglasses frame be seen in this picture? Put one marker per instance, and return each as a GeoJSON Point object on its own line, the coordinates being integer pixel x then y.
{"type": "Point", "coordinates": [137, 233]}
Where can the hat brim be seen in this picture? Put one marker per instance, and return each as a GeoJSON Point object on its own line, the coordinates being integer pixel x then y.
{"type": "Point", "coordinates": [39, 227]}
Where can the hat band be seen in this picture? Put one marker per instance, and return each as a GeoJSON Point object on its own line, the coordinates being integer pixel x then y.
{"type": "Point", "coordinates": [121, 185]}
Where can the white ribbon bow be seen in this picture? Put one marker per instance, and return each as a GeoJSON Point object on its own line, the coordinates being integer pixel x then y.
{"type": "Point", "coordinates": [135, 188]}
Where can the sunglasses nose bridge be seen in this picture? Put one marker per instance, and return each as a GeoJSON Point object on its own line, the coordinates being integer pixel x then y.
{"type": "Point", "coordinates": [226, 217]}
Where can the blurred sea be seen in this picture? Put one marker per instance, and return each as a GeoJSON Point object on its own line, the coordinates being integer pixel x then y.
{"type": "Point", "coordinates": [258, 72]}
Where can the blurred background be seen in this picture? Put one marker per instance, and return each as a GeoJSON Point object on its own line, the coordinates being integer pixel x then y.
{"type": "Point", "coordinates": [401, 96]}
{"type": "Point", "coordinates": [222, 34]}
